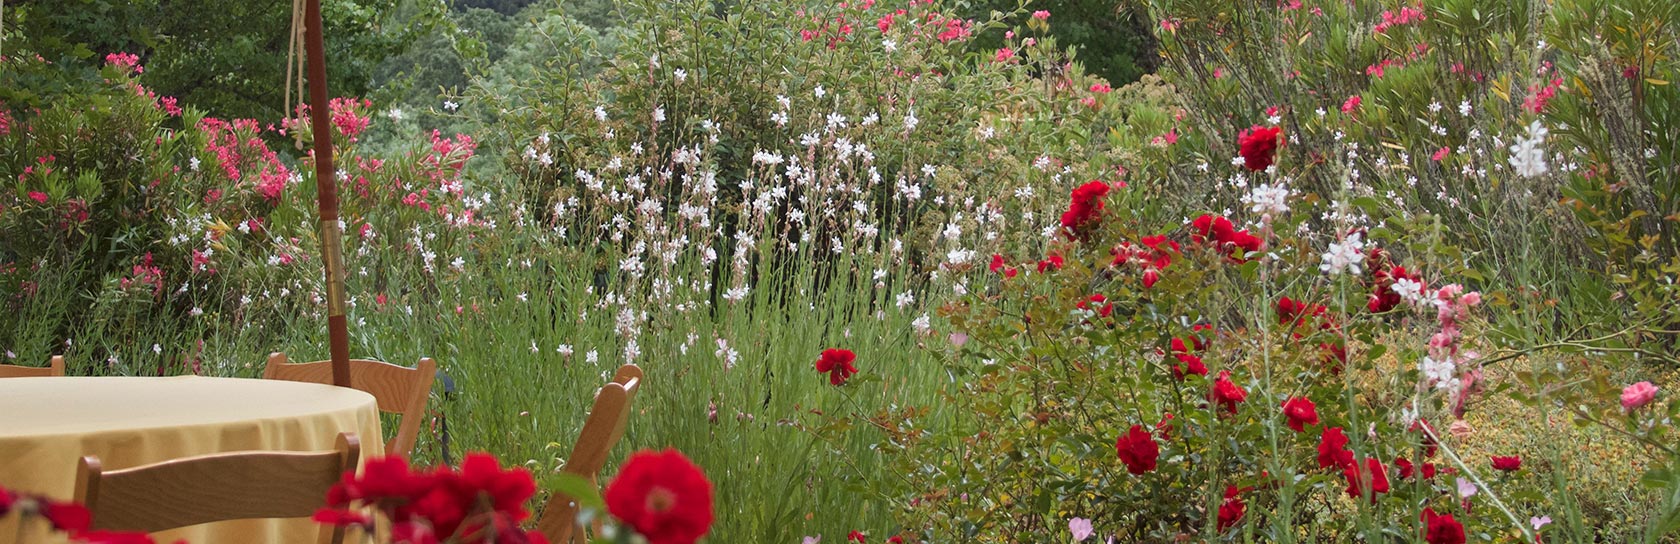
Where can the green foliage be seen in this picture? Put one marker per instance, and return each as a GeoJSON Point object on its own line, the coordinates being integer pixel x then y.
{"type": "Point", "coordinates": [225, 58]}
{"type": "Point", "coordinates": [1112, 41]}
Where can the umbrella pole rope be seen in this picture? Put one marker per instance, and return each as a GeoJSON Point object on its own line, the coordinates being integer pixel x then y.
{"type": "Point", "coordinates": [326, 187]}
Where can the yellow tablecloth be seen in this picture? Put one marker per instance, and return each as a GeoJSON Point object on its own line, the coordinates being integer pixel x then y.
{"type": "Point", "coordinates": [47, 424]}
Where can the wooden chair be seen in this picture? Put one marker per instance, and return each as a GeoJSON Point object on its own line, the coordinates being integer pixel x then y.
{"type": "Point", "coordinates": [216, 487]}
{"type": "Point", "coordinates": [398, 389]}
{"type": "Point", "coordinates": [55, 369]}
{"type": "Point", "coordinates": [600, 433]}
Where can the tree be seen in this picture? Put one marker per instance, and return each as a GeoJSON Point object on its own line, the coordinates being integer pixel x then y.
{"type": "Point", "coordinates": [1112, 41]}
{"type": "Point", "coordinates": [228, 58]}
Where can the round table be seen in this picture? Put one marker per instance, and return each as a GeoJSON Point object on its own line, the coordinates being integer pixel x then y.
{"type": "Point", "coordinates": [48, 424]}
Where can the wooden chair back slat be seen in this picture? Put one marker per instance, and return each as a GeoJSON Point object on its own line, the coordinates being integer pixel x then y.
{"type": "Point", "coordinates": [56, 368]}
{"type": "Point", "coordinates": [397, 389]}
{"type": "Point", "coordinates": [601, 431]}
{"type": "Point", "coordinates": [217, 487]}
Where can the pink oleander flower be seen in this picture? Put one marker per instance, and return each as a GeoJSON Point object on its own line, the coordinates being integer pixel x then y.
{"type": "Point", "coordinates": [1041, 15]}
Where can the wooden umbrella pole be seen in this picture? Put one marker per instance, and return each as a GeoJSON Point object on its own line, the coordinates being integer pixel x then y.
{"type": "Point", "coordinates": [326, 190]}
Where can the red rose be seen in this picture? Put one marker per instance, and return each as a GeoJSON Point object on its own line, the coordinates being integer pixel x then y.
{"type": "Point", "coordinates": [1138, 450]}
{"type": "Point", "coordinates": [855, 536]}
{"type": "Point", "coordinates": [1441, 529]}
{"type": "Point", "coordinates": [1301, 412]}
{"type": "Point", "coordinates": [1211, 227]}
{"type": "Point", "coordinates": [1332, 449]}
{"type": "Point", "coordinates": [1289, 310]}
{"type": "Point", "coordinates": [66, 516]}
{"type": "Point", "coordinates": [1085, 207]}
{"type": "Point", "coordinates": [1192, 365]}
{"type": "Point", "coordinates": [1228, 393]}
{"type": "Point", "coordinates": [1374, 470]}
{"type": "Point", "coordinates": [507, 490]}
{"type": "Point", "coordinates": [1383, 298]}
{"type": "Point", "coordinates": [1258, 146]}
{"type": "Point", "coordinates": [1248, 243]}
{"type": "Point", "coordinates": [1165, 427]}
{"type": "Point", "coordinates": [1231, 511]}
{"type": "Point", "coordinates": [838, 364]}
{"type": "Point", "coordinates": [999, 267]}
{"type": "Point", "coordinates": [1407, 469]}
{"type": "Point", "coordinates": [1507, 464]}
{"type": "Point", "coordinates": [663, 496]}
{"type": "Point", "coordinates": [1050, 264]}
{"type": "Point", "coordinates": [1162, 250]}
{"type": "Point", "coordinates": [1150, 277]}
{"type": "Point", "coordinates": [1196, 336]}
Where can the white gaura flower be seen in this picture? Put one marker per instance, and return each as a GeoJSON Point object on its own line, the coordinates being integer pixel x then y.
{"type": "Point", "coordinates": [1528, 157]}
{"type": "Point", "coordinates": [600, 114]}
{"type": "Point", "coordinates": [904, 299]}
{"type": "Point", "coordinates": [1346, 255]}
{"type": "Point", "coordinates": [1438, 370]}
{"type": "Point", "coordinates": [1408, 289]}
{"type": "Point", "coordinates": [728, 354]}
{"type": "Point", "coordinates": [1268, 200]}
{"type": "Point", "coordinates": [923, 325]}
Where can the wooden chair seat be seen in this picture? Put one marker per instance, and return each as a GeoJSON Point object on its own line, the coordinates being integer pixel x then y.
{"type": "Point", "coordinates": [397, 389]}
{"type": "Point", "coordinates": [54, 369]}
{"type": "Point", "coordinates": [217, 487]}
{"type": "Point", "coordinates": [600, 433]}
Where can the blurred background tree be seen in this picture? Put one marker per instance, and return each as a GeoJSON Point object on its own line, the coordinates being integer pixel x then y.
{"type": "Point", "coordinates": [1112, 41]}
{"type": "Point", "coordinates": [228, 58]}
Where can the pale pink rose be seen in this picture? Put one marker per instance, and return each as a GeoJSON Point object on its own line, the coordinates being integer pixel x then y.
{"type": "Point", "coordinates": [958, 339]}
{"type": "Point", "coordinates": [1081, 529]}
{"type": "Point", "coordinates": [1638, 394]}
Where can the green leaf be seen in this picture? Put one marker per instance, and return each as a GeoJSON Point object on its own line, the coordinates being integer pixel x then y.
{"type": "Point", "coordinates": [578, 488]}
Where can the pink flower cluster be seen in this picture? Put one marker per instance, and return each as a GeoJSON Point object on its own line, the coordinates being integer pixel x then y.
{"type": "Point", "coordinates": [145, 273]}
{"type": "Point", "coordinates": [129, 62]}
{"type": "Point", "coordinates": [1406, 15]}
{"type": "Point", "coordinates": [346, 117]}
